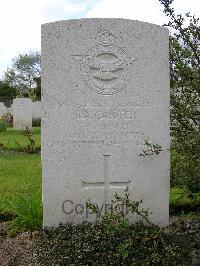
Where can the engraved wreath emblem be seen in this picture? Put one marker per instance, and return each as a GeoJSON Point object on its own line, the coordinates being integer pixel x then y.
{"type": "Point", "coordinates": [105, 68]}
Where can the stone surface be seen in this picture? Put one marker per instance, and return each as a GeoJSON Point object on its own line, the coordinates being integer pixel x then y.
{"type": "Point", "coordinates": [22, 113]}
{"type": "Point", "coordinates": [3, 109]}
{"type": "Point", "coordinates": [36, 110]}
{"type": "Point", "coordinates": [105, 86]}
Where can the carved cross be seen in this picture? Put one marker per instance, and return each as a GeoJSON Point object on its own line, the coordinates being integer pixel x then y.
{"type": "Point", "coordinates": [106, 184]}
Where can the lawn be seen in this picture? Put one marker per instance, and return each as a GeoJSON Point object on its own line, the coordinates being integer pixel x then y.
{"type": "Point", "coordinates": [15, 140]}
{"type": "Point", "coordinates": [19, 174]}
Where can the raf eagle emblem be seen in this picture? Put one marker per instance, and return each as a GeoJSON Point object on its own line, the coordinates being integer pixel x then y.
{"type": "Point", "coordinates": [106, 70]}
{"type": "Point", "coordinates": [105, 67]}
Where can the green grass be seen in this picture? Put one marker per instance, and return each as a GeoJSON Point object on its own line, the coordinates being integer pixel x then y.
{"type": "Point", "coordinates": [20, 191]}
{"type": "Point", "coordinates": [19, 174]}
{"type": "Point", "coordinates": [9, 138]}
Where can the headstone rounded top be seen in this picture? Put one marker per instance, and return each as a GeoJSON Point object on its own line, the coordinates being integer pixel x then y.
{"type": "Point", "coordinates": [99, 20]}
{"type": "Point", "coordinates": [105, 49]}
{"type": "Point", "coordinates": [19, 100]}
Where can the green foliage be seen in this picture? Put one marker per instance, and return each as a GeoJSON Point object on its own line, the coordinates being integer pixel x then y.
{"type": "Point", "coordinates": [32, 95]}
{"type": "Point", "coordinates": [185, 96]}
{"type": "Point", "coordinates": [119, 209]}
{"type": "Point", "coordinates": [38, 88]}
{"type": "Point", "coordinates": [27, 210]}
{"type": "Point", "coordinates": [151, 149]}
{"type": "Point", "coordinates": [6, 90]}
{"type": "Point", "coordinates": [25, 73]}
{"type": "Point", "coordinates": [113, 240]}
{"type": "Point", "coordinates": [185, 172]}
{"type": "Point", "coordinates": [36, 122]}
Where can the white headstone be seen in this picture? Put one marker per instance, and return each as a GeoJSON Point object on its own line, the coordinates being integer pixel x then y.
{"type": "Point", "coordinates": [22, 113]}
{"type": "Point", "coordinates": [105, 92]}
{"type": "Point", "coordinates": [3, 109]}
{"type": "Point", "coordinates": [36, 110]}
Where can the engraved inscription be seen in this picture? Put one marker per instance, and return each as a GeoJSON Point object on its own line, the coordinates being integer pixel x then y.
{"type": "Point", "coordinates": [106, 134]}
{"type": "Point", "coordinates": [105, 68]}
{"type": "Point", "coordinates": [106, 124]}
{"type": "Point", "coordinates": [92, 113]}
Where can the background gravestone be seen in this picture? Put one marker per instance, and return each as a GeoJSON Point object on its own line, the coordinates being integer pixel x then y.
{"type": "Point", "coordinates": [105, 89]}
{"type": "Point", "coordinates": [36, 110]}
{"type": "Point", "coordinates": [3, 109]}
{"type": "Point", "coordinates": [22, 113]}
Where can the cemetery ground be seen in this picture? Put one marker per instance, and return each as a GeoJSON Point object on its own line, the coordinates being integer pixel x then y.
{"type": "Point", "coordinates": [111, 242]}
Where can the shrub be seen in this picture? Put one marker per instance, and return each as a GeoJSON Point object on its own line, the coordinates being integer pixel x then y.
{"type": "Point", "coordinates": [31, 143]}
{"type": "Point", "coordinates": [30, 148]}
{"type": "Point", "coordinates": [185, 95]}
{"type": "Point", "coordinates": [113, 240]}
{"type": "Point", "coordinates": [185, 171]}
